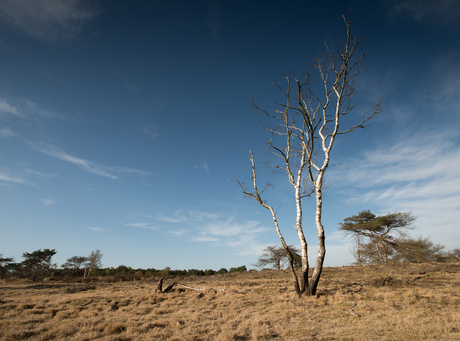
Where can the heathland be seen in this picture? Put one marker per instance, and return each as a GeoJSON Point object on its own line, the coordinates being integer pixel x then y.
{"type": "Point", "coordinates": [384, 302]}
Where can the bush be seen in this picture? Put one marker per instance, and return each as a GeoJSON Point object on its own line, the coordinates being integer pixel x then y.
{"type": "Point", "coordinates": [195, 272]}
{"type": "Point", "coordinates": [239, 269]}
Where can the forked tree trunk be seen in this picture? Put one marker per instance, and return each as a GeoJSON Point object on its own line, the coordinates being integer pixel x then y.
{"type": "Point", "coordinates": [309, 128]}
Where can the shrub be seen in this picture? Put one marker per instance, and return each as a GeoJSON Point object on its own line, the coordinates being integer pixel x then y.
{"type": "Point", "coordinates": [239, 269]}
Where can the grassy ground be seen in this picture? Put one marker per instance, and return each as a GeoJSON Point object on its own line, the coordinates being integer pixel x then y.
{"type": "Point", "coordinates": [394, 302]}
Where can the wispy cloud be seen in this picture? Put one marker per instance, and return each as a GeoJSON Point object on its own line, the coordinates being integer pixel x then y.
{"type": "Point", "coordinates": [24, 176]}
{"type": "Point", "coordinates": [205, 239]}
{"type": "Point", "coordinates": [48, 20]}
{"type": "Point", "coordinates": [25, 109]}
{"type": "Point", "coordinates": [445, 91]}
{"type": "Point", "coordinates": [180, 232]}
{"type": "Point", "coordinates": [82, 163]}
{"type": "Point", "coordinates": [5, 177]}
{"type": "Point", "coordinates": [177, 217]}
{"type": "Point", "coordinates": [40, 175]}
{"type": "Point", "coordinates": [143, 226]}
{"type": "Point", "coordinates": [221, 229]}
{"type": "Point", "coordinates": [204, 166]}
{"type": "Point", "coordinates": [439, 11]}
{"type": "Point", "coordinates": [131, 171]}
{"type": "Point", "coordinates": [7, 132]}
{"type": "Point", "coordinates": [6, 107]}
{"type": "Point", "coordinates": [417, 158]}
{"type": "Point", "coordinates": [31, 109]}
{"type": "Point", "coordinates": [89, 166]}
{"type": "Point", "coordinates": [48, 201]}
{"type": "Point", "coordinates": [419, 173]}
{"type": "Point", "coordinates": [95, 229]}
{"type": "Point", "coordinates": [151, 131]}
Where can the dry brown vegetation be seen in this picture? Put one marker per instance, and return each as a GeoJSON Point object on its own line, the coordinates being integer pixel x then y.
{"type": "Point", "coordinates": [392, 302]}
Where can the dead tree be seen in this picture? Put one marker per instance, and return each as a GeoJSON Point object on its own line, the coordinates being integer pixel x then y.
{"type": "Point", "coordinates": [303, 137]}
{"type": "Point", "coordinates": [160, 286]}
{"type": "Point", "coordinates": [93, 262]}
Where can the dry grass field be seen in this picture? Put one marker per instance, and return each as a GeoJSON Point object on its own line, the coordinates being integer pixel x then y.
{"type": "Point", "coordinates": [394, 302]}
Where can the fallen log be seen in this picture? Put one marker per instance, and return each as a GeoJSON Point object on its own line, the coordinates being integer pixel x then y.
{"type": "Point", "coordinates": [169, 287]}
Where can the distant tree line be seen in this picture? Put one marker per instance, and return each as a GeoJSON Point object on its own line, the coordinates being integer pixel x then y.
{"type": "Point", "coordinates": [37, 265]}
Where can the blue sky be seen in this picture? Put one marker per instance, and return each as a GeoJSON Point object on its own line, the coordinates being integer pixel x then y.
{"type": "Point", "coordinates": [124, 123]}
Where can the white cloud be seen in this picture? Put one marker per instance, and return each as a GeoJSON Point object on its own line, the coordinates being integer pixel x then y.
{"type": "Point", "coordinates": [420, 173]}
{"type": "Point", "coordinates": [131, 171]}
{"type": "Point", "coordinates": [7, 132]}
{"type": "Point", "coordinates": [82, 163]}
{"type": "Point", "coordinates": [178, 232]}
{"type": "Point", "coordinates": [25, 109]}
{"type": "Point", "coordinates": [246, 237]}
{"type": "Point", "coordinates": [48, 201]}
{"type": "Point", "coordinates": [7, 178]}
{"type": "Point", "coordinates": [445, 90]}
{"type": "Point", "coordinates": [105, 171]}
{"type": "Point", "coordinates": [142, 225]}
{"type": "Point", "coordinates": [6, 107]}
{"type": "Point", "coordinates": [230, 228]}
{"type": "Point", "coordinates": [425, 156]}
{"type": "Point", "coordinates": [151, 131]}
{"type": "Point", "coordinates": [41, 175]}
{"type": "Point", "coordinates": [204, 166]}
{"type": "Point", "coordinates": [219, 228]}
{"type": "Point", "coordinates": [205, 239]}
{"type": "Point", "coordinates": [95, 229]}
{"type": "Point", "coordinates": [47, 19]}
{"type": "Point", "coordinates": [32, 108]}
{"type": "Point", "coordinates": [177, 217]}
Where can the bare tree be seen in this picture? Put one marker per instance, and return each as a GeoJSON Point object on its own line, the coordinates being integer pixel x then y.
{"type": "Point", "coordinates": [93, 262]}
{"type": "Point", "coordinates": [302, 139]}
{"type": "Point", "coordinates": [453, 255]}
{"type": "Point", "coordinates": [277, 257]}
